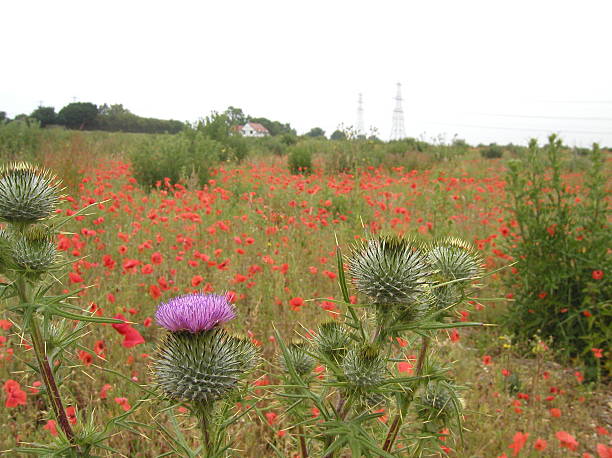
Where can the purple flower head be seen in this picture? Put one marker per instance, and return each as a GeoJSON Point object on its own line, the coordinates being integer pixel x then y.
{"type": "Point", "coordinates": [194, 312]}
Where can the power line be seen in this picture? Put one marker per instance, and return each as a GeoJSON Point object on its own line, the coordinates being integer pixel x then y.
{"type": "Point", "coordinates": [570, 118]}
{"type": "Point", "coordinates": [519, 128]}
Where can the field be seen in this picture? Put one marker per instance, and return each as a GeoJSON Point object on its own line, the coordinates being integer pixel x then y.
{"type": "Point", "coordinates": [269, 239]}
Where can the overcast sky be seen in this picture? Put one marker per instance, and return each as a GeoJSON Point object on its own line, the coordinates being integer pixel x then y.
{"type": "Point", "coordinates": [489, 71]}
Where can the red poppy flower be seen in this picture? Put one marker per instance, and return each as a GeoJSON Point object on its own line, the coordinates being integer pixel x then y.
{"type": "Point", "coordinates": [271, 417]}
{"type": "Point", "coordinates": [518, 442]}
{"type": "Point", "coordinates": [296, 303]}
{"type": "Point", "coordinates": [15, 396]}
{"type": "Point", "coordinates": [104, 391]}
{"type": "Point", "coordinates": [71, 414]}
{"type": "Point", "coordinates": [51, 427]}
{"type": "Point", "coordinates": [540, 445]}
{"type": "Point", "coordinates": [566, 440]}
{"type": "Point", "coordinates": [85, 357]}
{"type": "Point", "coordinates": [597, 352]}
{"type": "Point", "coordinates": [131, 336]}
{"type": "Point", "coordinates": [597, 274]}
{"type": "Point", "coordinates": [123, 402]}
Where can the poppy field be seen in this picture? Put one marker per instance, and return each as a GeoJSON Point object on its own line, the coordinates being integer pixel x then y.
{"type": "Point", "coordinates": [268, 239]}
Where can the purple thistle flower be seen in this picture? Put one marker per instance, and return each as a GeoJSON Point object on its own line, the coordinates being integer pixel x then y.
{"type": "Point", "coordinates": [194, 312]}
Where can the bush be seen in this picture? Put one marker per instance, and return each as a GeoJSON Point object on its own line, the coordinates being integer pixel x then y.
{"type": "Point", "coordinates": [562, 282]}
{"type": "Point", "coordinates": [300, 159]}
{"type": "Point", "coordinates": [19, 139]}
{"type": "Point", "coordinates": [492, 151]}
{"type": "Point", "coordinates": [175, 158]}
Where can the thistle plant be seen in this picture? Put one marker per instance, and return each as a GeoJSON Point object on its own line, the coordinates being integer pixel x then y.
{"type": "Point", "coordinates": [410, 290]}
{"type": "Point", "coordinates": [200, 364]}
{"type": "Point", "coordinates": [30, 266]}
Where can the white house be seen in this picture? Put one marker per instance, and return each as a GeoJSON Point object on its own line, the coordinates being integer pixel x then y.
{"type": "Point", "coordinates": [253, 129]}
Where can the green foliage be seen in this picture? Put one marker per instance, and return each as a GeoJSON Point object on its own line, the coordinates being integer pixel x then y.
{"type": "Point", "coordinates": [338, 135]}
{"type": "Point", "coordinates": [45, 116]}
{"type": "Point", "coordinates": [493, 151]}
{"type": "Point", "coordinates": [562, 286]}
{"type": "Point", "coordinates": [29, 263]}
{"type": "Point", "coordinates": [300, 160]}
{"type": "Point", "coordinates": [78, 115]}
{"type": "Point", "coordinates": [359, 354]}
{"type": "Point", "coordinates": [176, 158]}
{"type": "Point", "coordinates": [315, 132]}
{"type": "Point", "coordinates": [19, 139]}
{"type": "Point", "coordinates": [116, 118]}
{"type": "Point", "coordinates": [275, 127]}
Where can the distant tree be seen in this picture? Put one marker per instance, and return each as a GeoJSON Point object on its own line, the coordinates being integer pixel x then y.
{"type": "Point", "coordinates": [316, 132]}
{"type": "Point", "coordinates": [3, 117]}
{"type": "Point", "coordinates": [274, 127]}
{"type": "Point", "coordinates": [115, 118]}
{"type": "Point", "coordinates": [216, 127]}
{"type": "Point", "coordinates": [45, 116]}
{"type": "Point", "coordinates": [78, 115]}
{"type": "Point", "coordinates": [338, 135]}
{"type": "Point", "coordinates": [236, 116]}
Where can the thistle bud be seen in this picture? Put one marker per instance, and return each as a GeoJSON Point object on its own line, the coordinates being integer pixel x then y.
{"type": "Point", "coordinates": [436, 404]}
{"type": "Point", "coordinates": [34, 250]}
{"type": "Point", "coordinates": [389, 270]}
{"type": "Point", "coordinates": [27, 193]}
{"type": "Point", "coordinates": [455, 259]}
{"type": "Point", "coordinates": [332, 341]}
{"type": "Point", "coordinates": [301, 361]}
{"type": "Point", "coordinates": [202, 367]}
{"type": "Point", "coordinates": [364, 368]}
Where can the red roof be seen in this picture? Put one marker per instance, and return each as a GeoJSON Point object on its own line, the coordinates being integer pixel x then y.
{"type": "Point", "coordinates": [258, 127]}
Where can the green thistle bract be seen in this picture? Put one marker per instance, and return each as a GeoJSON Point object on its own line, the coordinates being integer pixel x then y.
{"type": "Point", "coordinates": [436, 403]}
{"type": "Point", "coordinates": [34, 250]}
{"type": "Point", "coordinates": [364, 367]}
{"type": "Point", "coordinates": [332, 341]}
{"type": "Point", "coordinates": [390, 270]}
{"type": "Point", "coordinates": [302, 362]}
{"type": "Point", "coordinates": [202, 367]}
{"type": "Point", "coordinates": [455, 259]}
{"type": "Point", "coordinates": [27, 193]}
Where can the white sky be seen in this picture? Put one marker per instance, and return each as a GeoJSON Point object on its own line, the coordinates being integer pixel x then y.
{"type": "Point", "coordinates": [490, 70]}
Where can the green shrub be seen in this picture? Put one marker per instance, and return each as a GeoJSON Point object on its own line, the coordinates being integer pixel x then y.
{"type": "Point", "coordinates": [176, 158]}
{"type": "Point", "coordinates": [562, 284]}
{"type": "Point", "coordinates": [19, 139]}
{"type": "Point", "coordinates": [300, 159]}
{"type": "Point", "coordinates": [492, 151]}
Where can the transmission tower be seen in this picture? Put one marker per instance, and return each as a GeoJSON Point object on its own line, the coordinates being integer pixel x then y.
{"type": "Point", "coordinates": [360, 124]}
{"type": "Point", "coordinates": [397, 129]}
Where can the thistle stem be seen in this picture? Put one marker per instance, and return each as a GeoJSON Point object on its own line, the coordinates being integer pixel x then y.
{"type": "Point", "coordinates": [399, 417]}
{"type": "Point", "coordinates": [207, 445]}
{"type": "Point", "coordinates": [303, 448]}
{"type": "Point", "coordinates": [46, 372]}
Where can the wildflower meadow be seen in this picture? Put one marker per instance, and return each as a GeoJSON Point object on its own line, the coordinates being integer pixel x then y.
{"type": "Point", "coordinates": [303, 299]}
